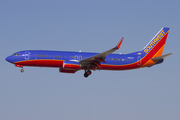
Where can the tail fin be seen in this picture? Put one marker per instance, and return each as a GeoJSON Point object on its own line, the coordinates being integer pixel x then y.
{"type": "Point", "coordinates": [155, 47]}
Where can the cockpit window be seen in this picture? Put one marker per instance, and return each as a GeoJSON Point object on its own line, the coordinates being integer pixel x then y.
{"type": "Point", "coordinates": [16, 54]}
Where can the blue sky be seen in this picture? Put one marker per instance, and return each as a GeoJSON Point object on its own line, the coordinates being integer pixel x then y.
{"type": "Point", "coordinates": [89, 26]}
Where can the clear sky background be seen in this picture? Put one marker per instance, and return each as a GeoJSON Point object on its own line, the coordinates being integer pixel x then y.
{"type": "Point", "coordinates": [90, 26]}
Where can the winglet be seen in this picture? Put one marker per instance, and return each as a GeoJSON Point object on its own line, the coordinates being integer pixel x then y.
{"type": "Point", "coordinates": [119, 44]}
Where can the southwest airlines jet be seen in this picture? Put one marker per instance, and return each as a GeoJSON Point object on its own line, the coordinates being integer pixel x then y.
{"type": "Point", "coordinates": [71, 62]}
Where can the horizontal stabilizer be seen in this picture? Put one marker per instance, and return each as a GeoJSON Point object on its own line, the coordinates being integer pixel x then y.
{"type": "Point", "coordinates": [161, 57]}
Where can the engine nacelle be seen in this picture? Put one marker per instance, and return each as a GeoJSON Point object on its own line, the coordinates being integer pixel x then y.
{"type": "Point", "coordinates": [72, 65]}
{"type": "Point", "coordinates": [159, 61]}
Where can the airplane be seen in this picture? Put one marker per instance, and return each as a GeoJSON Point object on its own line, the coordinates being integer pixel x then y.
{"type": "Point", "coordinates": [71, 62]}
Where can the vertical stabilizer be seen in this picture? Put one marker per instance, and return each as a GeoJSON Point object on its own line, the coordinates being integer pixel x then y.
{"type": "Point", "coordinates": [156, 45]}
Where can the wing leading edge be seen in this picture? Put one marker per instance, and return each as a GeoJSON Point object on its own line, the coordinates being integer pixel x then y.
{"type": "Point", "coordinates": [97, 59]}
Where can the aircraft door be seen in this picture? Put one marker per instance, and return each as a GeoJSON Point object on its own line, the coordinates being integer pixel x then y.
{"type": "Point", "coordinates": [76, 57]}
{"type": "Point", "coordinates": [27, 55]}
{"type": "Point", "coordinates": [80, 58]}
{"type": "Point", "coordinates": [139, 60]}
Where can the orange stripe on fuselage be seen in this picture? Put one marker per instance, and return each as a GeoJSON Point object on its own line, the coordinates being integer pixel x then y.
{"type": "Point", "coordinates": [145, 61]}
{"type": "Point", "coordinates": [156, 51]}
{"type": "Point", "coordinates": [150, 62]}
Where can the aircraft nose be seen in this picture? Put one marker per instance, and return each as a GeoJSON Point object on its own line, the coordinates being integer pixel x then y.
{"type": "Point", "coordinates": [9, 59]}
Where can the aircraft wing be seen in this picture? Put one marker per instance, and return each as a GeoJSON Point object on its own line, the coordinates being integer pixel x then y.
{"type": "Point", "coordinates": [97, 59]}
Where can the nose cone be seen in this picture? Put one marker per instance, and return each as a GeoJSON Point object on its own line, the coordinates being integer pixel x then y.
{"type": "Point", "coordinates": [9, 59]}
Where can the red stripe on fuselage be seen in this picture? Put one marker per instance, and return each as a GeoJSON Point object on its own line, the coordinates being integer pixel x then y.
{"type": "Point", "coordinates": [59, 63]}
{"type": "Point", "coordinates": [41, 63]}
{"type": "Point", "coordinates": [145, 59]}
{"type": "Point", "coordinates": [155, 49]}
